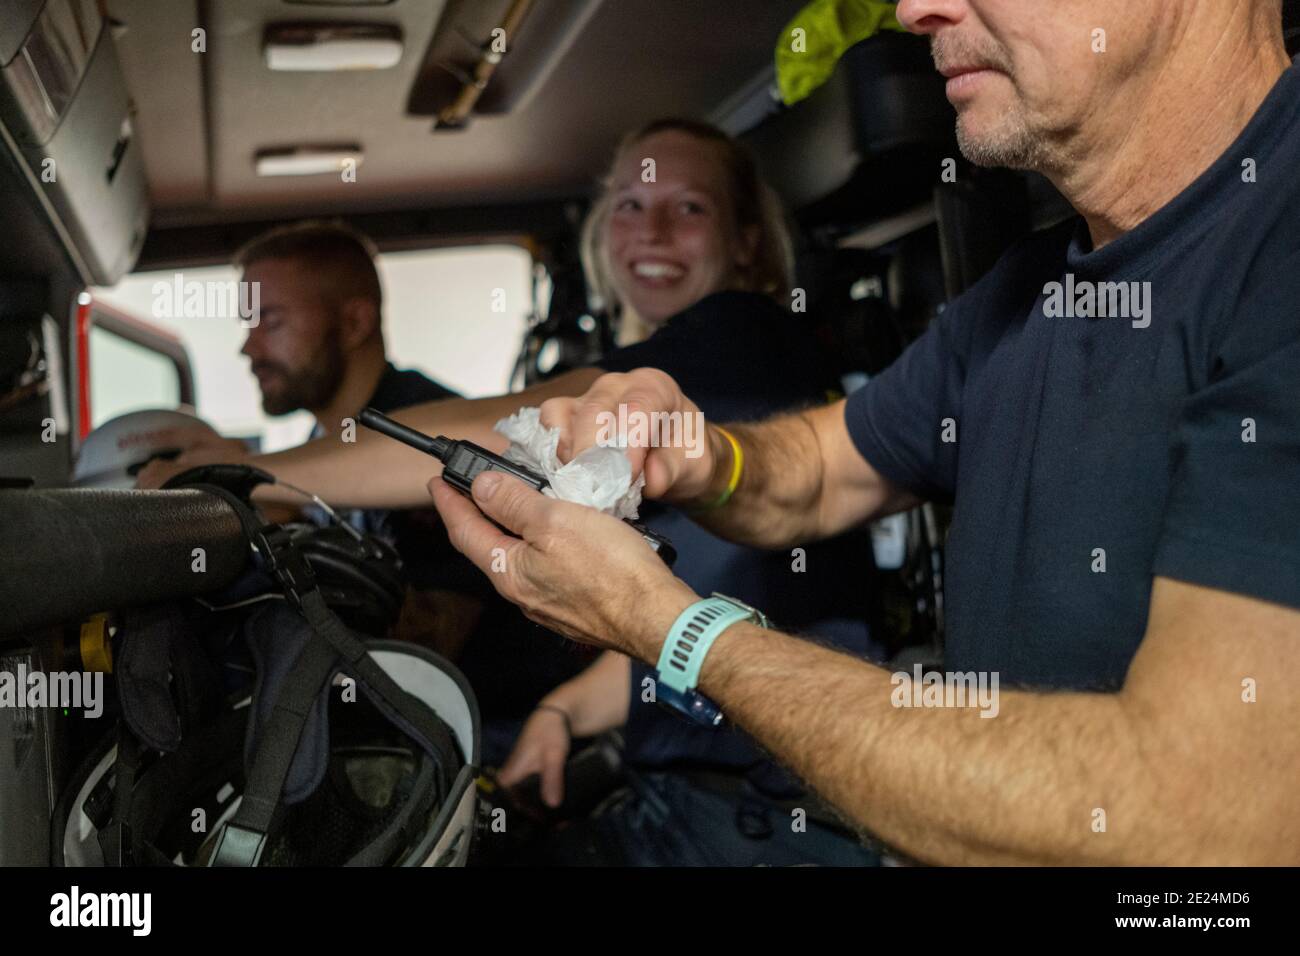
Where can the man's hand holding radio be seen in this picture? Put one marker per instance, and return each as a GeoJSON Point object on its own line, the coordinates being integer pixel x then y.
{"type": "Point", "coordinates": [572, 569]}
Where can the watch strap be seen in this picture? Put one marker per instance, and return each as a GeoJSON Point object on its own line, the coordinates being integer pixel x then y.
{"type": "Point", "coordinates": [694, 632]}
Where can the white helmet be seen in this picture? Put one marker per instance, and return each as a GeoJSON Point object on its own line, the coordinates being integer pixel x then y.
{"type": "Point", "coordinates": [428, 817]}
{"type": "Point", "coordinates": [113, 453]}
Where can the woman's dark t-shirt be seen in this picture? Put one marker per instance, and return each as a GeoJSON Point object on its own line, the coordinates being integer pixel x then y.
{"type": "Point", "coordinates": [740, 357]}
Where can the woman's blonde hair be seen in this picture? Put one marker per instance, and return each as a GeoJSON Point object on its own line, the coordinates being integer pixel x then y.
{"type": "Point", "coordinates": [753, 204]}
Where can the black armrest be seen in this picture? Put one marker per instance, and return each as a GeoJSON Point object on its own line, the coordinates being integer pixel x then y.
{"type": "Point", "coordinates": [67, 553]}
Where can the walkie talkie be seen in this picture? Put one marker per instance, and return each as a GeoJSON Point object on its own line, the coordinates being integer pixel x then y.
{"type": "Point", "coordinates": [463, 461]}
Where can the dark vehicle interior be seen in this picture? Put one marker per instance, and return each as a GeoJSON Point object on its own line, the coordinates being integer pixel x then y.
{"type": "Point", "coordinates": [135, 137]}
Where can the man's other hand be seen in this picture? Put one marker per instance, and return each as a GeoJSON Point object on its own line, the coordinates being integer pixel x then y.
{"type": "Point", "coordinates": [678, 471]}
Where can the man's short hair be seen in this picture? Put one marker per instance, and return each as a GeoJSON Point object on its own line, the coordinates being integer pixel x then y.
{"type": "Point", "coordinates": [343, 257]}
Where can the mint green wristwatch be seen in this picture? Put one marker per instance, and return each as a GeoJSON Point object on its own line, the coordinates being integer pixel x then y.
{"type": "Point", "coordinates": [689, 639]}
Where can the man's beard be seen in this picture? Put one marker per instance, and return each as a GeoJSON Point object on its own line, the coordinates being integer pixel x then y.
{"type": "Point", "coordinates": [313, 385]}
{"type": "Point", "coordinates": [1010, 141]}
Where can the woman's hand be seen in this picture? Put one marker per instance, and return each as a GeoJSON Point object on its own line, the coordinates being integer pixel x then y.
{"type": "Point", "coordinates": [666, 434]}
{"type": "Point", "coordinates": [542, 749]}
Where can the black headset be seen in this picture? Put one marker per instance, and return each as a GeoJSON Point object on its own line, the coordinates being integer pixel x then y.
{"type": "Point", "coordinates": [360, 578]}
{"type": "Point", "coordinates": [359, 575]}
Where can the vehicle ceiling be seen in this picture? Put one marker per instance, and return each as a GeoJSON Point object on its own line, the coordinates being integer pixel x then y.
{"type": "Point", "coordinates": [201, 118]}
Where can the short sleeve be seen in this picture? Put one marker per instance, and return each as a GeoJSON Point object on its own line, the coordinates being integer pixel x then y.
{"type": "Point", "coordinates": [897, 420]}
{"type": "Point", "coordinates": [1232, 519]}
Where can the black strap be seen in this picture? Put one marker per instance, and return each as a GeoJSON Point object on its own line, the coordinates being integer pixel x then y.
{"type": "Point", "coordinates": [205, 761]}
{"type": "Point", "coordinates": [115, 840]}
{"type": "Point", "coordinates": [239, 480]}
{"type": "Point", "coordinates": [276, 745]}
{"type": "Point", "coordinates": [430, 729]}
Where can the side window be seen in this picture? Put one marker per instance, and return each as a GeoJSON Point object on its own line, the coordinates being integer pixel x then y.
{"type": "Point", "coordinates": [126, 376]}
{"type": "Point", "coordinates": [457, 314]}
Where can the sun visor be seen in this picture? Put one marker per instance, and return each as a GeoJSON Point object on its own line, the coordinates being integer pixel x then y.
{"type": "Point", "coordinates": [67, 115]}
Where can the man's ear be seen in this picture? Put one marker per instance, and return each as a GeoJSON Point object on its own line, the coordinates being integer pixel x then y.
{"type": "Point", "coordinates": [358, 322]}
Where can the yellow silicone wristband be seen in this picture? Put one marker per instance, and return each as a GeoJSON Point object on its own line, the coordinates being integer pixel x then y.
{"type": "Point", "coordinates": [737, 466]}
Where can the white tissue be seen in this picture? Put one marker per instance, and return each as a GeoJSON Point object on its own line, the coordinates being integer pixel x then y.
{"type": "Point", "coordinates": [598, 477]}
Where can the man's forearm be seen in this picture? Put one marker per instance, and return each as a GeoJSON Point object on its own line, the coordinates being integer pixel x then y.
{"type": "Point", "coordinates": [801, 480]}
{"type": "Point", "coordinates": [776, 502]}
{"type": "Point", "coordinates": [944, 784]}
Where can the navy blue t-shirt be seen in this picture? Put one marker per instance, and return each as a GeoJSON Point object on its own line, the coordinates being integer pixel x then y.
{"type": "Point", "coordinates": [1092, 453]}
{"type": "Point", "coordinates": [742, 358]}
{"type": "Point", "coordinates": [400, 388]}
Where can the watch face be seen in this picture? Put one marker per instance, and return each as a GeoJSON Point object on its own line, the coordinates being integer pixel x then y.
{"type": "Point", "coordinates": [690, 704]}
